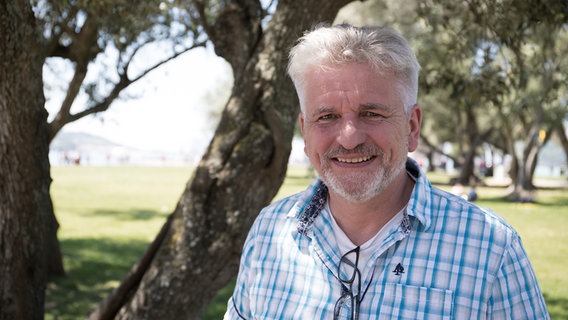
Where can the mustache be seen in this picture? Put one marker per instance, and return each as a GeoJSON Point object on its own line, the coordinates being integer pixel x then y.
{"type": "Point", "coordinates": [362, 149]}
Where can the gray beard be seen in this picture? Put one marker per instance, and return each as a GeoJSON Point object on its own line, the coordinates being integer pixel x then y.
{"type": "Point", "coordinates": [360, 187]}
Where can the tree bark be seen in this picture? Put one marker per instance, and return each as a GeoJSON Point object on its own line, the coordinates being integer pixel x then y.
{"type": "Point", "coordinates": [240, 173]}
{"type": "Point", "coordinates": [24, 165]}
{"type": "Point", "coordinates": [53, 257]}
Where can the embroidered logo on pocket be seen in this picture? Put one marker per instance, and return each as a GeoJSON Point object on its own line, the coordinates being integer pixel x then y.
{"type": "Point", "coordinates": [398, 269]}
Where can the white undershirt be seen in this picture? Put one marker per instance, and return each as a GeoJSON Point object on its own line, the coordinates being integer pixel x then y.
{"type": "Point", "coordinates": [367, 248]}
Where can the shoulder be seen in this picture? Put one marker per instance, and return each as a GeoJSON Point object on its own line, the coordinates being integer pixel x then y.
{"type": "Point", "coordinates": [291, 206]}
{"type": "Point", "coordinates": [442, 212]}
{"type": "Point", "coordinates": [285, 211]}
{"type": "Point", "coordinates": [456, 208]}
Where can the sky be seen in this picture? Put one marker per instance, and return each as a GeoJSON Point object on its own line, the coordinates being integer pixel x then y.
{"type": "Point", "coordinates": [166, 111]}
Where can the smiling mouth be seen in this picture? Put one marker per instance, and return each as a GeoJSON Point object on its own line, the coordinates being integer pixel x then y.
{"type": "Point", "coordinates": [354, 160]}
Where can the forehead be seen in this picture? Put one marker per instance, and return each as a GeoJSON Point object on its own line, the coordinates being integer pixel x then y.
{"type": "Point", "coordinates": [350, 85]}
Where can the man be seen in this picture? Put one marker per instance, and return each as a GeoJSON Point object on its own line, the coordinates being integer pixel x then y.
{"type": "Point", "coordinates": [371, 238]}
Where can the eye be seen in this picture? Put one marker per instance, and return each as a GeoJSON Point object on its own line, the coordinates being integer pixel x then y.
{"type": "Point", "coordinates": [327, 117]}
{"type": "Point", "coordinates": [371, 115]}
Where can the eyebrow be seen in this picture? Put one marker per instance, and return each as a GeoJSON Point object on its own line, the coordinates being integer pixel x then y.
{"type": "Point", "coordinates": [323, 109]}
{"type": "Point", "coordinates": [374, 106]}
{"type": "Point", "coordinates": [369, 106]}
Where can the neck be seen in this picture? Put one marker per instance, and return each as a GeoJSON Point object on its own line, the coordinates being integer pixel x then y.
{"type": "Point", "coordinates": [362, 220]}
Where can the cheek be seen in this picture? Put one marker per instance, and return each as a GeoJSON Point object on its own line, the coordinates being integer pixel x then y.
{"type": "Point", "coordinates": [308, 149]}
{"type": "Point", "coordinates": [312, 147]}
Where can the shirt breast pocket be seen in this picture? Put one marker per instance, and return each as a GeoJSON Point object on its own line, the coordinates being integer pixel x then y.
{"type": "Point", "coordinates": [410, 302]}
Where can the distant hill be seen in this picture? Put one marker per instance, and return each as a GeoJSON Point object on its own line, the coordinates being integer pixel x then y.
{"type": "Point", "coordinates": [80, 141]}
{"type": "Point", "coordinates": [79, 148]}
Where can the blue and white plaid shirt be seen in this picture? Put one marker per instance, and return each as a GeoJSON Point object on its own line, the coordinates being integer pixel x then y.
{"type": "Point", "coordinates": [449, 259]}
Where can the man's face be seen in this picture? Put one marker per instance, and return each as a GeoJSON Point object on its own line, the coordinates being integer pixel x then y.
{"type": "Point", "coordinates": [356, 132]}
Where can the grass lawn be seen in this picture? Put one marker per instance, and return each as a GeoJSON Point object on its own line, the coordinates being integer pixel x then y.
{"type": "Point", "coordinates": [108, 215]}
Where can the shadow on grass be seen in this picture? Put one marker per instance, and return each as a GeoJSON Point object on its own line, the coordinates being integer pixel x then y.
{"type": "Point", "coordinates": [549, 201]}
{"type": "Point", "coordinates": [557, 306]}
{"type": "Point", "coordinates": [126, 215]}
{"type": "Point", "coordinates": [94, 267]}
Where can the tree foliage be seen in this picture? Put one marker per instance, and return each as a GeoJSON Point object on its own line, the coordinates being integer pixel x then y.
{"type": "Point", "coordinates": [107, 46]}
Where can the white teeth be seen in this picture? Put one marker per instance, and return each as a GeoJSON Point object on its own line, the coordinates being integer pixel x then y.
{"type": "Point", "coordinates": [355, 160]}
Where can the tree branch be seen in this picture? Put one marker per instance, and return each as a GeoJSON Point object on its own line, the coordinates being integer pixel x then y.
{"type": "Point", "coordinates": [202, 17]}
{"type": "Point", "coordinates": [64, 116]}
{"type": "Point", "coordinates": [54, 48]}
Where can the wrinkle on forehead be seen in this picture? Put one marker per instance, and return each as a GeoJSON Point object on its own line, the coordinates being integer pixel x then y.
{"type": "Point", "coordinates": [350, 86]}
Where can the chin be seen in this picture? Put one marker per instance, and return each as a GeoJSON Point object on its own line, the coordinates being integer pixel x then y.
{"type": "Point", "coordinates": [364, 186]}
{"type": "Point", "coordinates": [357, 190]}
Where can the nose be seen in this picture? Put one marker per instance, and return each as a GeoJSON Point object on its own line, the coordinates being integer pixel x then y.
{"type": "Point", "coordinates": [351, 134]}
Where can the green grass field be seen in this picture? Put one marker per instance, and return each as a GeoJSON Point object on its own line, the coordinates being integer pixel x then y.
{"type": "Point", "coordinates": [108, 215]}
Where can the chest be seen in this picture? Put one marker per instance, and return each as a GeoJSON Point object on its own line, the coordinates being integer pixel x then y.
{"type": "Point", "coordinates": [415, 277]}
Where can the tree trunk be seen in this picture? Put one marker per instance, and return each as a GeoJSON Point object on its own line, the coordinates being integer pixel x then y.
{"type": "Point", "coordinates": [561, 132]}
{"type": "Point", "coordinates": [470, 147]}
{"type": "Point", "coordinates": [469, 138]}
{"type": "Point", "coordinates": [523, 183]}
{"type": "Point", "coordinates": [24, 165]}
{"type": "Point", "coordinates": [523, 187]}
{"type": "Point", "coordinates": [240, 173]}
{"type": "Point", "coordinates": [54, 257]}
{"type": "Point", "coordinates": [467, 167]}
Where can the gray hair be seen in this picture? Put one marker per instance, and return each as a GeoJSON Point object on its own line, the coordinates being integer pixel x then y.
{"type": "Point", "coordinates": [383, 47]}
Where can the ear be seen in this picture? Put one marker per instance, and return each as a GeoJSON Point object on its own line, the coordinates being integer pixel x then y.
{"type": "Point", "coordinates": [301, 117]}
{"type": "Point", "coordinates": [303, 130]}
{"type": "Point", "coordinates": [414, 121]}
